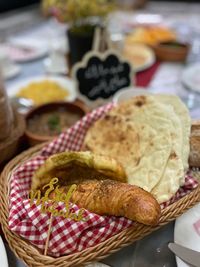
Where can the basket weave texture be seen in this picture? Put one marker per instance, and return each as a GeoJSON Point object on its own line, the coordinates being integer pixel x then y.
{"type": "Point", "coordinates": [33, 257]}
{"type": "Point", "coordinates": [9, 146]}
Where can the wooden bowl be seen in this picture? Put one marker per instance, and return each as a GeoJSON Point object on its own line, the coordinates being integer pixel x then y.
{"type": "Point", "coordinates": [74, 107]}
{"type": "Point", "coordinates": [10, 146]}
{"type": "Point", "coordinates": [172, 51]}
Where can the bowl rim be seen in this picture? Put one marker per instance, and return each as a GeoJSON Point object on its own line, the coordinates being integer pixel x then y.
{"type": "Point", "coordinates": [164, 46]}
{"type": "Point", "coordinates": [77, 104]}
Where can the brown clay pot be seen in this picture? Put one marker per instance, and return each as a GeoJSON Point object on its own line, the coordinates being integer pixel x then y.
{"type": "Point", "coordinates": [75, 107]}
{"type": "Point", "coordinates": [171, 51]}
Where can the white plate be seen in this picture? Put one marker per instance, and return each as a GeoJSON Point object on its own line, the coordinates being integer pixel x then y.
{"type": "Point", "coordinates": [127, 93]}
{"type": "Point", "coordinates": [187, 231]}
{"type": "Point", "coordinates": [25, 51]}
{"type": "Point", "coordinates": [140, 50]}
{"type": "Point", "coordinates": [56, 64]}
{"type": "Point", "coordinates": [3, 255]}
{"type": "Point", "coordinates": [11, 71]}
{"type": "Point", "coordinates": [65, 82]}
{"type": "Point", "coordinates": [191, 78]}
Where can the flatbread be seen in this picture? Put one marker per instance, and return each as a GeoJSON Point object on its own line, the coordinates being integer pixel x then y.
{"type": "Point", "coordinates": [114, 137]}
{"type": "Point", "coordinates": [156, 162]}
{"type": "Point", "coordinates": [170, 181]}
{"type": "Point", "coordinates": [134, 145]}
{"type": "Point", "coordinates": [182, 111]}
{"type": "Point", "coordinates": [161, 117]}
{"type": "Point", "coordinates": [152, 111]}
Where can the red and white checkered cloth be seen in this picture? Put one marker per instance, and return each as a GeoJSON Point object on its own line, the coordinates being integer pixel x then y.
{"type": "Point", "coordinates": [67, 236]}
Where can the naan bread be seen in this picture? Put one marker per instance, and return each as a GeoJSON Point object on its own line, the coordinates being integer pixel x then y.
{"type": "Point", "coordinates": [134, 145]}
{"type": "Point", "coordinates": [145, 109]}
{"type": "Point", "coordinates": [73, 167]}
{"type": "Point", "coordinates": [184, 116]}
{"type": "Point", "coordinates": [170, 181]}
{"type": "Point", "coordinates": [157, 164]}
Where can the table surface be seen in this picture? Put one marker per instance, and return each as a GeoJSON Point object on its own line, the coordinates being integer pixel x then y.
{"type": "Point", "coordinates": [152, 250]}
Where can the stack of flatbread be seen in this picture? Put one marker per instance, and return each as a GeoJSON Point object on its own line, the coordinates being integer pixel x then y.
{"type": "Point", "coordinates": [149, 136]}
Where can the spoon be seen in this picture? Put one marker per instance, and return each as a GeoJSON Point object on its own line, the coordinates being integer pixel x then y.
{"type": "Point", "coordinates": [22, 104]}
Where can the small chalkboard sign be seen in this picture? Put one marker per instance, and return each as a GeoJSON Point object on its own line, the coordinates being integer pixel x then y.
{"type": "Point", "coordinates": [101, 75]}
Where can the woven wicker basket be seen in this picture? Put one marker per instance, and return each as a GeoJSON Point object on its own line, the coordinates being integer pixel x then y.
{"type": "Point", "coordinates": [33, 257]}
{"type": "Point", "coordinates": [10, 146]}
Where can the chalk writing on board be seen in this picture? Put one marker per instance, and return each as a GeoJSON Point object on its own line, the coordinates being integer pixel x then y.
{"type": "Point", "coordinates": [102, 77]}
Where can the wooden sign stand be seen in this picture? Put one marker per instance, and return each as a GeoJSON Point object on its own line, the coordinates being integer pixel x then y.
{"type": "Point", "coordinates": [100, 40]}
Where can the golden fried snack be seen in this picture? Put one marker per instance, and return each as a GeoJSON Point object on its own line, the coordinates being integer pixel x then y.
{"type": "Point", "coordinates": [73, 167]}
{"type": "Point", "coordinates": [107, 197]}
{"type": "Point", "coordinates": [150, 36]}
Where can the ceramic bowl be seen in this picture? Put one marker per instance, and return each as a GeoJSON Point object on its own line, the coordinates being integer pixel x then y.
{"type": "Point", "coordinates": [128, 93]}
{"type": "Point", "coordinates": [76, 107]}
{"type": "Point", "coordinates": [172, 51]}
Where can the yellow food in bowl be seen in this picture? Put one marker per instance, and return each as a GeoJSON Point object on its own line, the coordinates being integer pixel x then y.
{"type": "Point", "coordinates": [43, 92]}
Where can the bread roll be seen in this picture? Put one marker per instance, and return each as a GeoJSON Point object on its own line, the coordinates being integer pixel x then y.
{"type": "Point", "coordinates": [194, 158]}
{"type": "Point", "coordinates": [108, 197]}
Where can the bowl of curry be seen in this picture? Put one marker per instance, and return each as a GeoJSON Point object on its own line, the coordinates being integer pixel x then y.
{"type": "Point", "coordinates": [45, 122]}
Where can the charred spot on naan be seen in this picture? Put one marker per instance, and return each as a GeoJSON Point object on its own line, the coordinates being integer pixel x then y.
{"type": "Point", "coordinates": [140, 101]}
{"type": "Point", "coordinates": [173, 155]}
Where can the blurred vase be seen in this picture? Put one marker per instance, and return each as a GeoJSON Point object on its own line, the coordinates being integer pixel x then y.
{"type": "Point", "coordinates": [6, 113]}
{"type": "Point", "coordinates": [132, 4]}
{"type": "Point", "coordinates": [80, 42]}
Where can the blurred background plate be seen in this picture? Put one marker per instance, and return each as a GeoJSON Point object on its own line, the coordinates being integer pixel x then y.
{"type": "Point", "coordinates": [187, 231]}
{"type": "Point", "coordinates": [11, 71]}
{"type": "Point", "coordinates": [3, 255]}
{"type": "Point", "coordinates": [140, 56]}
{"type": "Point", "coordinates": [191, 78]}
{"type": "Point", "coordinates": [129, 92]}
{"type": "Point", "coordinates": [65, 82]}
{"type": "Point", "coordinates": [22, 52]}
